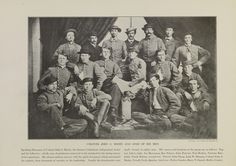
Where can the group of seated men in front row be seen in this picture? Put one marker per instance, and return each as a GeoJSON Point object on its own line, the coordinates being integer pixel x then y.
{"type": "Point", "coordinates": [87, 84]}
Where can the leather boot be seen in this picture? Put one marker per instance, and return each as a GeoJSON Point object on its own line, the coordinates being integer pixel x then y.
{"type": "Point", "coordinates": [96, 129]}
{"type": "Point", "coordinates": [114, 120]}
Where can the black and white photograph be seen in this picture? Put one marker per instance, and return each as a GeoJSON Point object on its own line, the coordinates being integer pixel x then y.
{"type": "Point", "coordinates": [129, 77]}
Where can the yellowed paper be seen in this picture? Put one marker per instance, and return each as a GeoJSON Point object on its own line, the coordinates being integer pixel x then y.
{"type": "Point", "coordinates": [14, 83]}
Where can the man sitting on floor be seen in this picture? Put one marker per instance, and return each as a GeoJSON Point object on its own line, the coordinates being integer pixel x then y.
{"type": "Point", "coordinates": [51, 103]}
{"type": "Point", "coordinates": [195, 107]}
{"type": "Point", "coordinates": [93, 105]}
{"type": "Point", "coordinates": [164, 104]}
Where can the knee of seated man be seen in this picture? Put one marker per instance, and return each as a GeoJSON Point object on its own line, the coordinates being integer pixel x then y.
{"type": "Point", "coordinates": [54, 109]}
{"type": "Point", "coordinates": [177, 118]}
{"type": "Point", "coordinates": [105, 102]}
{"type": "Point", "coordinates": [83, 122]}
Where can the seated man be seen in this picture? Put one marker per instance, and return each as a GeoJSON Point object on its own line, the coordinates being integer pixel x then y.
{"type": "Point", "coordinates": [51, 103]}
{"type": "Point", "coordinates": [86, 68]}
{"type": "Point", "coordinates": [169, 75]}
{"type": "Point", "coordinates": [63, 75]}
{"type": "Point", "coordinates": [163, 104]}
{"type": "Point", "coordinates": [137, 66]}
{"type": "Point", "coordinates": [93, 104]}
{"type": "Point", "coordinates": [188, 74]}
{"type": "Point", "coordinates": [196, 106]}
{"type": "Point", "coordinates": [111, 69]}
{"type": "Point", "coordinates": [137, 69]}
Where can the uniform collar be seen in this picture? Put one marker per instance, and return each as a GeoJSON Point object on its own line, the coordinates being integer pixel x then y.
{"type": "Point", "coordinates": [86, 63]}
{"type": "Point", "coordinates": [187, 45]}
{"type": "Point", "coordinates": [113, 39]}
{"type": "Point", "coordinates": [61, 67]}
{"type": "Point", "coordinates": [131, 41]}
{"type": "Point", "coordinates": [169, 38]}
{"type": "Point", "coordinates": [72, 43]}
{"type": "Point", "coordinates": [94, 45]}
{"type": "Point", "coordinates": [151, 37]}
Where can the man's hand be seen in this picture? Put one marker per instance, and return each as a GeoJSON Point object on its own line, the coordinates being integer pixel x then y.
{"type": "Point", "coordinates": [153, 63]}
{"type": "Point", "coordinates": [180, 69]}
{"type": "Point", "coordinates": [198, 64]}
{"type": "Point", "coordinates": [69, 97]}
{"type": "Point", "coordinates": [197, 95]}
{"type": "Point", "coordinates": [188, 96]}
{"type": "Point", "coordinates": [93, 103]}
{"type": "Point", "coordinates": [76, 70]}
{"type": "Point", "coordinates": [206, 106]}
{"type": "Point", "coordinates": [56, 104]}
{"type": "Point", "coordinates": [83, 110]}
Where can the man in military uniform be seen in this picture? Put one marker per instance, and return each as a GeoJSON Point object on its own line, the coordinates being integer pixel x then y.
{"type": "Point", "coordinates": [190, 52]}
{"type": "Point", "coordinates": [170, 42]}
{"type": "Point", "coordinates": [149, 46]}
{"type": "Point", "coordinates": [69, 48]}
{"type": "Point", "coordinates": [93, 47]}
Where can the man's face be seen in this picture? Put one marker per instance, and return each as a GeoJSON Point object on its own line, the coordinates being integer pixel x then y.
{"type": "Point", "coordinates": [188, 39]}
{"type": "Point", "coordinates": [84, 57]}
{"type": "Point", "coordinates": [148, 32]}
{"type": "Point", "coordinates": [131, 35]}
{"type": "Point", "coordinates": [154, 82]}
{"type": "Point", "coordinates": [52, 87]}
{"type": "Point", "coordinates": [62, 60]}
{"type": "Point", "coordinates": [70, 36]}
{"type": "Point", "coordinates": [193, 86]}
{"type": "Point", "coordinates": [169, 32]}
{"type": "Point", "coordinates": [161, 56]}
{"type": "Point", "coordinates": [188, 69]}
{"type": "Point", "coordinates": [88, 86]}
{"type": "Point", "coordinates": [114, 32]}
{"type": "Point", "coordinates": [106, 53]}
{"type": "Point", "coordinates": [93, 39]}
{"type": "Point", "coordinates": [133, 55]}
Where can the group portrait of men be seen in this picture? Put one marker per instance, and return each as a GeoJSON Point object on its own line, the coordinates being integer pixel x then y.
{"type": "Point", "coordinates": [84, 88]}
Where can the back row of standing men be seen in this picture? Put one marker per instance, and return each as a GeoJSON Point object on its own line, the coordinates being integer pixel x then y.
{"type": "Point", "coordinates": [129, 60]}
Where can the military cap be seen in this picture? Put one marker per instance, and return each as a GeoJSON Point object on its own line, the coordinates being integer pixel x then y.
{"type": "Point", "coordinates": [50, 79]}
{"type": "Point", "coordinates": [147, 26]}
{"type": "Point", "coordinates": [70, 30]}
{"type": "Point", "coordinates": [85, 50]}
{"type": "Point", "coordinates": [115, 27]}
{"type": "Point", "coordinates": [87, 79]}
{"type": "Point", "coordinates": [92, 33]}
{"type": "Point", "coordinates": [130, 29]}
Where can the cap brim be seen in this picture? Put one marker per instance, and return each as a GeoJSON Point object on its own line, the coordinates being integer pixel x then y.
{"type": "Point", "coordinates": [119, 30]}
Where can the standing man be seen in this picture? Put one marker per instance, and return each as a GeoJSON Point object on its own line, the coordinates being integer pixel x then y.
{"type": "Point", "coordinates": [149, 46]}
{"type": "Point", "coordinates": [131, 42]}
{"type": "Point", "coordinates": [93, 47]}
{"type": "Point", "coordinates": [192, 53]}
{"type": "Point", "coordinates": [69, 48]}
{"type": "Point", "coordinates": [170, 42]}
{"type": "Point", "coordinates": [118, 50]}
